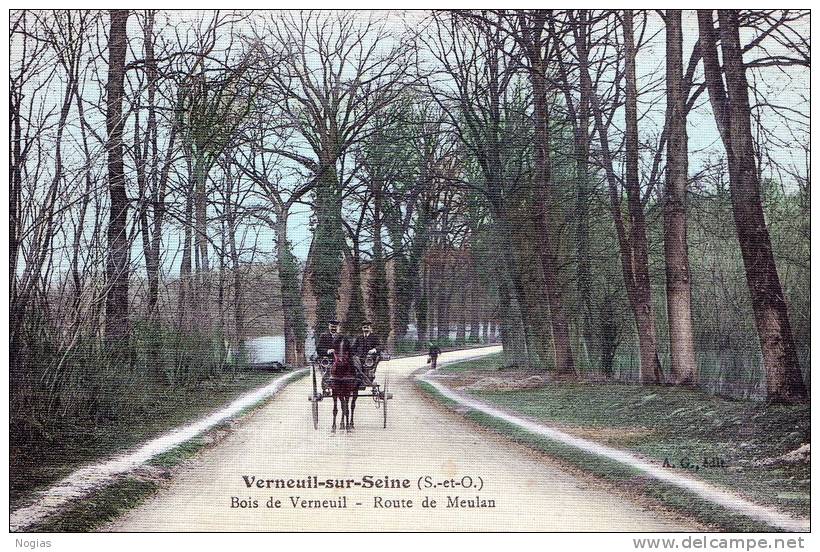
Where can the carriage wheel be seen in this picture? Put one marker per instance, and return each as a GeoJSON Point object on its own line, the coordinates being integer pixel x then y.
{"type": "Point", "coordinates": [384, 402]}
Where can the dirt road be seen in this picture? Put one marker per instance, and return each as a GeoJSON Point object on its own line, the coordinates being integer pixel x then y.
{"type": "Point", "coordinates": [278, 442]}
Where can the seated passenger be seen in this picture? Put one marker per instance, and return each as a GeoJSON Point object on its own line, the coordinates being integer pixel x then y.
{"type": "Point", "coordinates": [366, 344]}
{"type": "Point", "coordinates": [330, 344]}
{"type": "Point", "coordinates": [327, 341]}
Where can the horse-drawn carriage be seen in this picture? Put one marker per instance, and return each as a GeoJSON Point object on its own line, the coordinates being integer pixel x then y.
{"type": "Point", "coordinates": [360, 381]}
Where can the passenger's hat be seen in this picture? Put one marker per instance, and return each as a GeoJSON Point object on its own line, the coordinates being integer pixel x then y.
{"type": "Point", "coordinates": [367, 323]}
{"type": "Point", "coordinates": [333, 323]}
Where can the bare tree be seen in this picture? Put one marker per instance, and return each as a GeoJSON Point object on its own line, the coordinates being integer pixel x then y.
{"type": "Point", "coordinates": [632, 239]}
{"type": "Point", "coordinates": [642, 287]}
{"type": "Point", "coordinates": [117, 271]}
{"type": "Point", "coordinates": [578, 109]}
{"type": "Point", "coordinates": [335, 76]}
{"type": "Point", "coordinates": [678, 290]}
{"type": "Point", "coordinates": [152, 168]}
{"type": "Point", "coordinates": [730, 106]}
{"type": "Point", "coordinates": [473, 86]}
{"type": "Point", "coordinates": [256, 159]}
{"type": "Point", "coordinates": [535, 42]}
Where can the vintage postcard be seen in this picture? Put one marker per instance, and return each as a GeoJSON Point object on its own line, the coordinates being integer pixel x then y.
{"type": "Point", "coordinates": [472, 270]}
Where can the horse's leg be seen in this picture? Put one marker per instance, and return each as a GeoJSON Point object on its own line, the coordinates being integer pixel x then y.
{"type": "Point", "coordinates": [353, 406]}
{"type": "Point", "coordinates": [345, 413]}
{"type": "Point", "coordinates": [335, 410]}
{"type": "Point", "coordinates": [342, 421]}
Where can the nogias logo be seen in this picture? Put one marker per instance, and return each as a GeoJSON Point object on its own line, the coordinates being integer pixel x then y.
{"type": "Point", "coordinates": [32, 544]}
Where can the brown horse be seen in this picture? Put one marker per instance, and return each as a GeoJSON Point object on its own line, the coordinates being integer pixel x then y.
{"type": "Point", "coordinates": [343, 383]}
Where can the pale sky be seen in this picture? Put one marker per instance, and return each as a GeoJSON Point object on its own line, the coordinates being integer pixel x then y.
{"type": "Point", "coordinates": [789, 88]}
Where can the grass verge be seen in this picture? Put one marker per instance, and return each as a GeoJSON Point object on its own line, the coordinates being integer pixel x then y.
{"type": "Point", "coordinates": [34, 468]}
{"type": "Point", "coordinates": [96, 510]}
{"type": "Point", "coordinates": [113, 500]}
{"type": "Point", "coordinates": [733, 444]}
{"type": "Point", "coordinates": [107, 503]}
{"type": "Point", "coordinates": [488, 363]}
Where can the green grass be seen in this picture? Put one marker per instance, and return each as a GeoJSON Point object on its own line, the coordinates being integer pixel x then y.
{"type": "Point", "coordinates": [407, 347]}
{"type": "Point", "coordinates": [171, 458]}
{"type": "Point", "coordinates": [71, 446]}
{"type": "Point", "coordinates": [681, 425]}
{"type": "Point", "coordinates": [632, 480]}
{"type": "Point", "coordinates": [430, 390]}
{"type": "Point", "coordinates": [488, 363]}
{"type": "Point", "coordinates": [111, 501]}
{"type": "Point", "coordinates": [104, 506]}
{"type": "Point", "coordinates": [108, 503]}
{"type": "Point", "coordinates": [684, 427]}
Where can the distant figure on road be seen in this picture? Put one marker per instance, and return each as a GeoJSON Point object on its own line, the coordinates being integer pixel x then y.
{"type": "Point", "coordinates": [433, 354]}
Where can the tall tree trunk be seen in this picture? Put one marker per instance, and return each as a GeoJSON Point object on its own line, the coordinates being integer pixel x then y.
{"type": "Point", "coordinates": [630, 259]}
{"type": "Point", "coordinates": [463, 307]}
{"type": "Point", "coordinates": [233, 252]}
{"type": "Point", "coordinates": [158, 178]}
{"type": "Point", "coordinates": [678, 283]}
{"type": "Point", "coordinates": [650, 369]}
{"type": "Point", "coordinates": [581, 118]}
{"type": "Point", "coordinates": [220, 290]}
{"type": "Point", "coordinates": [442, 300]}
{"type": "Point", "coordinates": [608, 338]}
{"type": "Point", "coordinates": [116, 304]}
{"type": "Point", "coordinates": [145, 148]}
{"type": "Point", "coordinates": [355, 314]}
{"type": "Point", "coordinates": [512, 297]}
{"type": "Point", "coordinates": [421, 305]}
{"type": "Point", "coordinates": [76, 275]}
{"type": "Point", "coordinates": [158, 201]}
{"type": "Point", "coordinates": [633, 246]}
{"type": "Point", "coordinates": [329, 244]}
{"type": "Point", "coordinates": [379, 292]}
{"type": "Point", "coordinates": [293, 315]}
{"type": "Point", "coordinates": [185, 269]}
{"type": "Point", "coordinates": [582, 251]}
{"type": "Point", "coordinates": [564, 362]}
{"type": "Point", "coordinates": [417, 273]}
{"type": "Point", "coordinates": [16, 189]}
{"type": "Point", "coordinates": [201, 262]}
{"type": "Point", "coordinates": [730, 105]}
{"type": "Point", "coordinates": [201, 211]}
{"type": "Point", "coordinates": [238, 305]}
{"type": "Point", "coordinates": [404, 284]}
{"type": "Point", "coordinates": [515, 322]}
{"type": "Point", "coordinates": [474, 309]}
{"type": "Point", "coordinates": [403, 294]}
